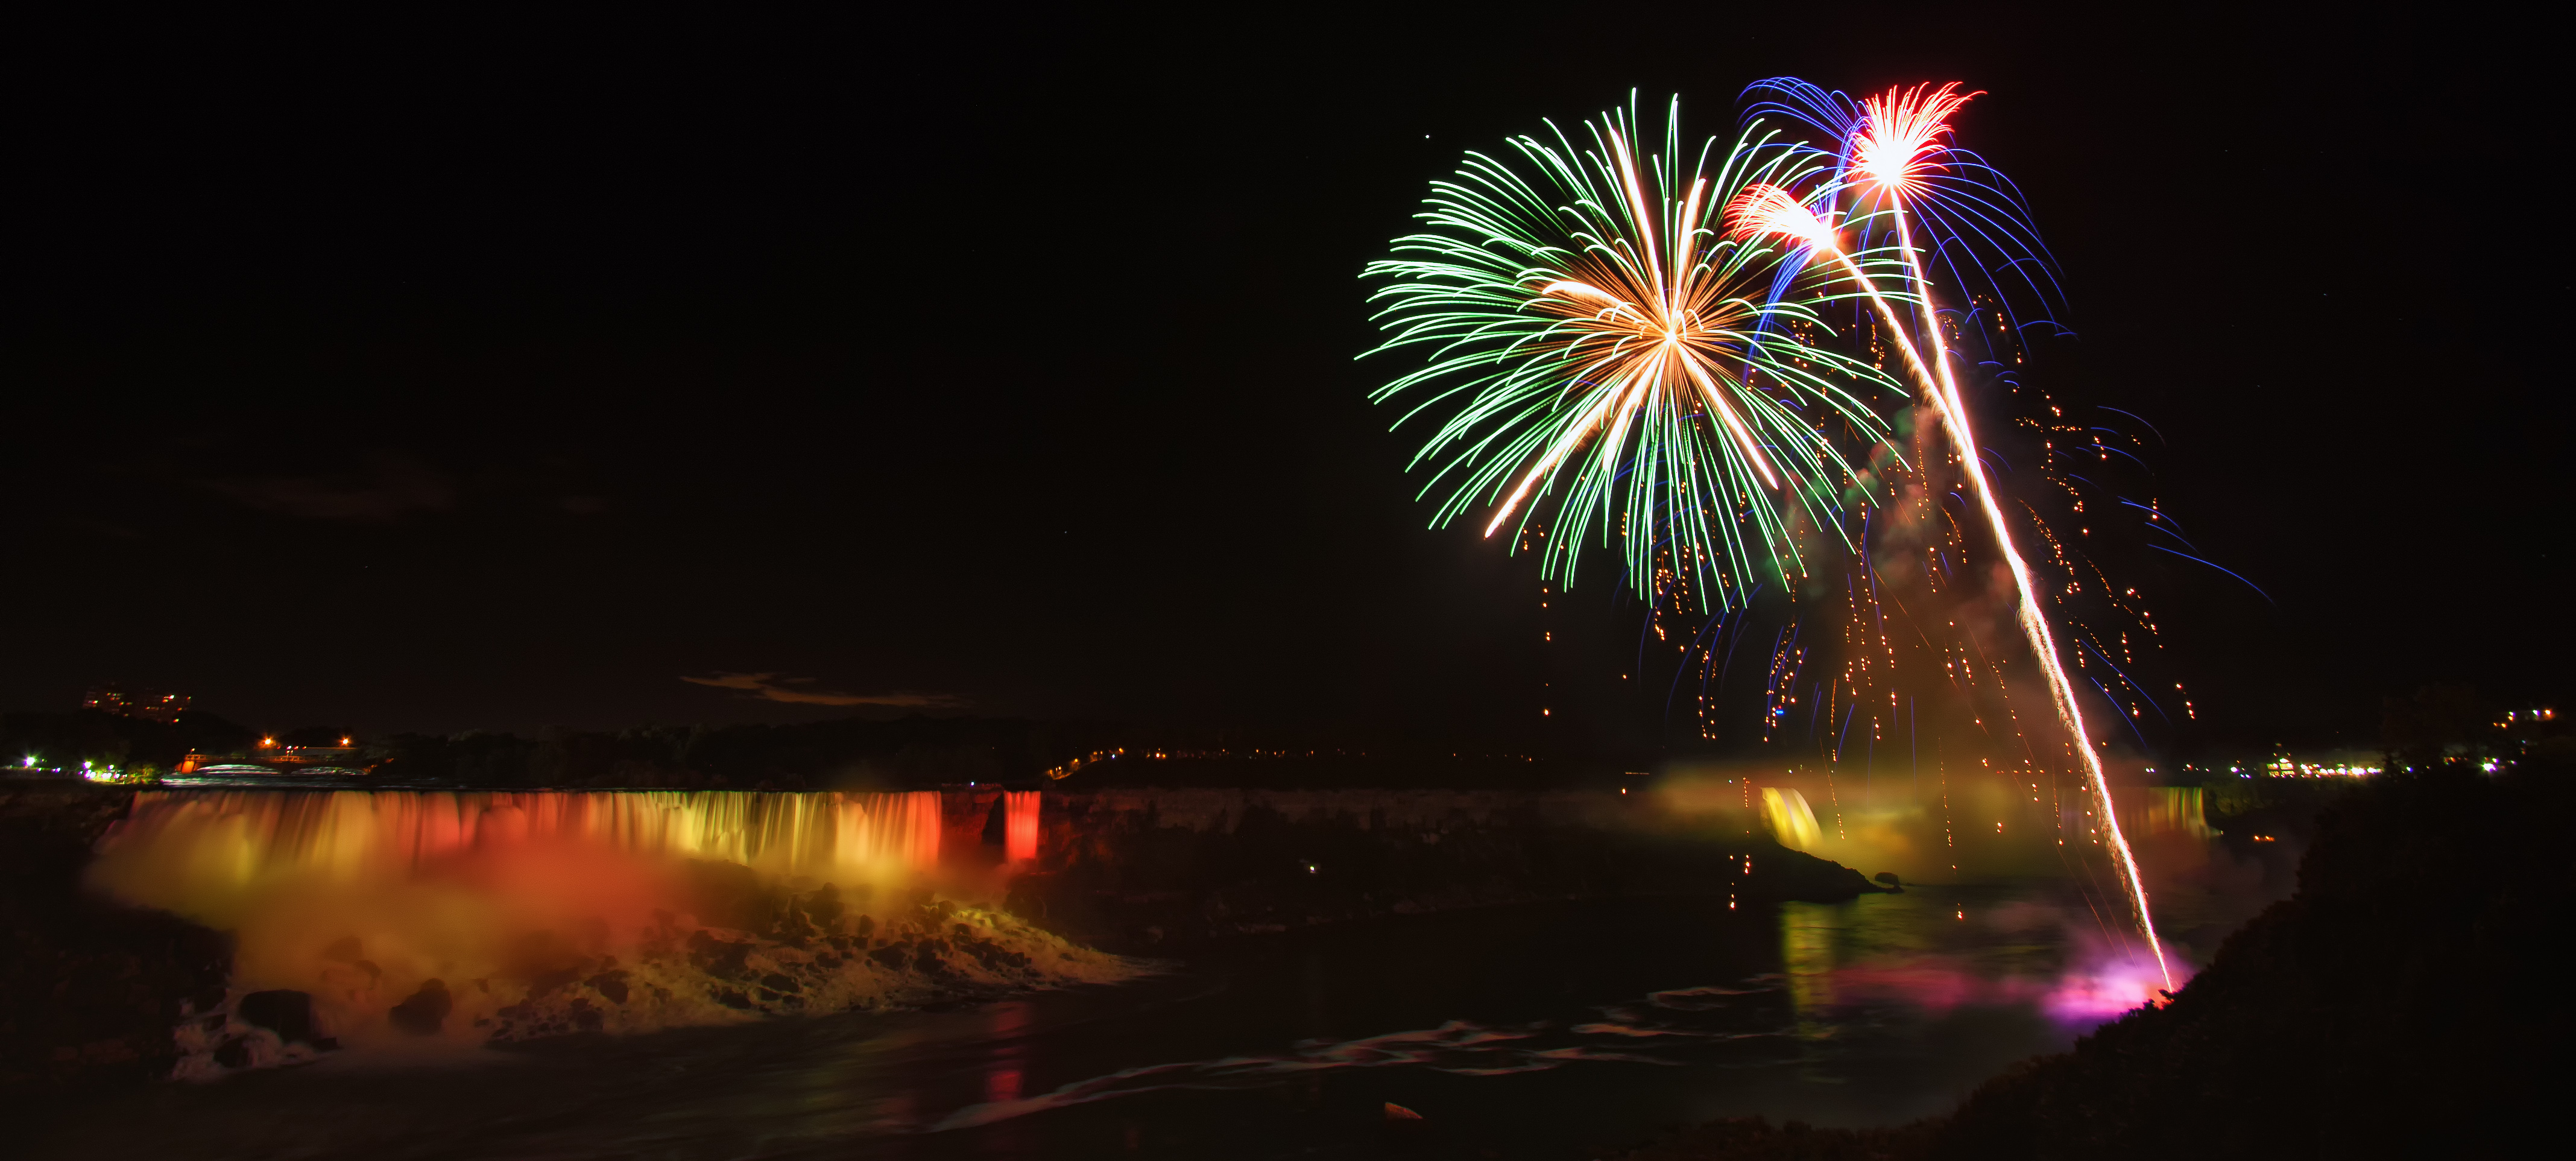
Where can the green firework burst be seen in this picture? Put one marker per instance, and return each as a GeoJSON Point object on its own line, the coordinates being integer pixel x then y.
{"type": "Point", "coordinates": [1595, 343]}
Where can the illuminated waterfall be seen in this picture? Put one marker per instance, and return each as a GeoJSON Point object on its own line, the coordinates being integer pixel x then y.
{"type": "Point", "coordinates": [1791, 820]}
{"type": "Point", "coordinates": [1020, 825]}
{"type": "Point", "coordinates": [239, 835]}
{"type": "Point", "coordinates": [2171, 810]}
{"type": "Point", "coordinates": [542, 912]}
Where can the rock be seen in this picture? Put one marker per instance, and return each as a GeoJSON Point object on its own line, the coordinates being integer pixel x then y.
{"type": "Point", "coordinates": [426, 1011]}
{"type": "Point", "coordinates": [611, 985]}
{"type": "Point", "coordinates": [1889, 880]}
{"type": "Point", "coordinates": [548, 982]}
{"type": "Point", "coordinates": [728, 894]}
{"type": "Point", "coordinates": [285, 1012]}
{"type": "Point", "coordinates": [723, 959]}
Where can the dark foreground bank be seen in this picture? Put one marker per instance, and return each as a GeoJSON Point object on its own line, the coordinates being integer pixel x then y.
{"type": "Point", "coordinates": [2406, 1002]}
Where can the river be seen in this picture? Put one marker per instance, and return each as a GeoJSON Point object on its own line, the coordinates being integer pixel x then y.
{"type": "Point", "coordinates": [1549, 1030]}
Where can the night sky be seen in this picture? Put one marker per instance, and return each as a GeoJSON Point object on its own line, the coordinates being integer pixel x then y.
{"type": "Point", "coordinates": [434, 375]}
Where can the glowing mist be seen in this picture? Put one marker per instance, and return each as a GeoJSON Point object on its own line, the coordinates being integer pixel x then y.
{"type": "Point", "coordinates": [1954, 416]}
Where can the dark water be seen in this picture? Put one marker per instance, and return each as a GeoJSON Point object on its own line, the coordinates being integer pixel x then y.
{"type": "Point", "coordinates": [1545, 1031]}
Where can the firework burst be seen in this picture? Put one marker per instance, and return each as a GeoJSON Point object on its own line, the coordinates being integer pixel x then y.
{"type": "Point", "coordinates": [1594, 339]}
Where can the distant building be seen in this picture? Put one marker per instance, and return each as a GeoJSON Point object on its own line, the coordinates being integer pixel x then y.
{"type": "Point", "coordinates": [270, 758]}
{"type": "Point", "coordinates": [2333, 764]}
{"type": "Point", "coordinates": [151, 707]}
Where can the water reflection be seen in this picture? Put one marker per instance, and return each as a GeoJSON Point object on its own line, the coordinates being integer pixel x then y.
{"type": "Point", "coordinates": [1877, 1010]}
{"type": "Point", "coordinates": [1940, 949]}
{"type": "Point", "coordinates": [1003, 1073]}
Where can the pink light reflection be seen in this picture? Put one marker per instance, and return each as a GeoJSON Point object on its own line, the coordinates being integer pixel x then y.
{"type": "Point", "coordinates": [1004, 1077]}
{"type": "Point", "coordinates": [2088, 993]}
{"type": "Point", "coordinates": [1002, 1084]}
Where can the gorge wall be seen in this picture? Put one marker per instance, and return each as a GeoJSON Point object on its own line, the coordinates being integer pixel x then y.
{"type": "Point", "coordinates": [1140, 870]}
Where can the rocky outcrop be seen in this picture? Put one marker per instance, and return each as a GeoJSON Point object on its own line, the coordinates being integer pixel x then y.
{"type": "Point", "coordinates": [89, 991]}
{"type": "Point", "coordinates": [800, 952]}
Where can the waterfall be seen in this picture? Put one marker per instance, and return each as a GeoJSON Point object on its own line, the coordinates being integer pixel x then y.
{"type": "Point", "coordinates": [240, 835]}
{"type": "Point", "coordinates": [520, 914]}
{"type": "Point", "coordinates": [1791, 820]}
{"type": "Point", "coordinates": [1020, 825]}
{"type": "Point", "coordinates": [2173, 810]}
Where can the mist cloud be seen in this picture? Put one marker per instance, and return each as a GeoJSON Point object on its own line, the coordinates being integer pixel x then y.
{"type": "Point", "coordinates": [772, 687]}
{"type": "Point", "coordinates": [392, 487]}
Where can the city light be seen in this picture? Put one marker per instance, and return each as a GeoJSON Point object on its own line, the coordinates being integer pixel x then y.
{"type": "Point", "coordinates": [2287, 768]}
